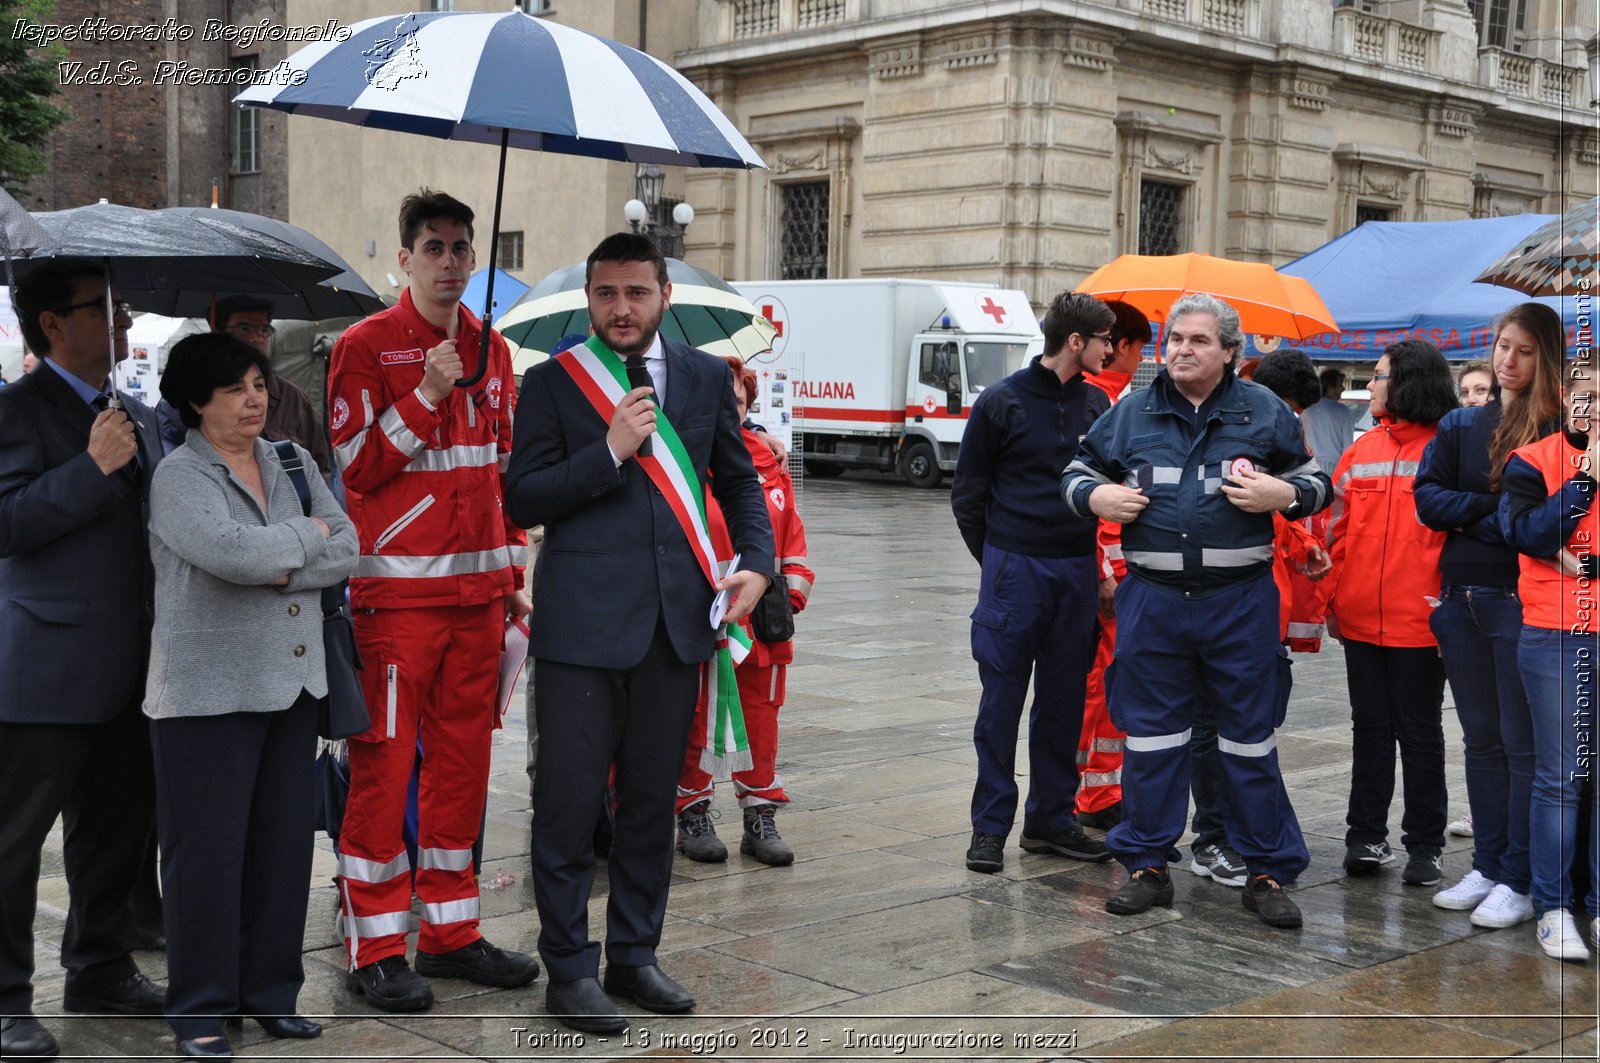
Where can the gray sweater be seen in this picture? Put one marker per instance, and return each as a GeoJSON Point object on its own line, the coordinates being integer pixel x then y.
{"type": "Point", "coordinates": [225, 640]}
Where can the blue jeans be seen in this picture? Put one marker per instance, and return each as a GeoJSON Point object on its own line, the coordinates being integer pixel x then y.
{"type": "Point", "coordinates": [1558, 672]}
{"type": "Point", "coordinates": [1478, 629]}
{"type": "Point", "coordinates": [1035, 618]}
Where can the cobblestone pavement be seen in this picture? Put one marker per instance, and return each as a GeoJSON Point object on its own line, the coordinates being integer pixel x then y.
{"type": "Point", "coordinates": [878, 943]}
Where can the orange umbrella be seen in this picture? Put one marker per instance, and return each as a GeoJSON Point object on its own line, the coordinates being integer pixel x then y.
{"type": "Point", "coordinates": [1269, 303]}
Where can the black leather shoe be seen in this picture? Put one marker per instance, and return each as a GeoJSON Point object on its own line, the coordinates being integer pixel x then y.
{"type": "Point", "coordinates": [290, 1026]}
{"type": "Point", "coordinates": [134, 995]}
{"type": "Point", "coordinates": [581, 1005]}
{"type": "Point", "coordinates": [217, 1049]}
{"type": "Point", "coordinates": [24, 1037]}
{"type": "Point", "coordinates": [482, 963]}
{"type": "Point", "coordinates": [648, 987]}
{"type": "Point", "coordinates": [391, 985]}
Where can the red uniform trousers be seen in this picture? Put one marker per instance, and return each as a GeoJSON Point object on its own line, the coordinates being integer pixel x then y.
{"type": "Point", "coordinates": [1100, 742]}
{"type": "Point", "coordinates": [431, 672]}
{"type": "Point", "coordinates": [761, 693]}
{"type": "Point", "coordinates": [1100, 745]}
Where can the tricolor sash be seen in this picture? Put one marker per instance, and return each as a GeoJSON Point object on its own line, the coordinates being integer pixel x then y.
{"type": "Point", "coordinates": [603, 380]}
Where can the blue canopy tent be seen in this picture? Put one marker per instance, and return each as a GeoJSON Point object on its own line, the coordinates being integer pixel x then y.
{"type": "Point", "coordinates": [1388, 281]}
{"type": "Point", "coordinates": [507, 290]}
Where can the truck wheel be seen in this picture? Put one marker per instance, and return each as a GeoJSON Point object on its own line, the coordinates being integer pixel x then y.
{"type": "Point", "coordinates": [920, 466]}
{"type": "Point", "coordinates": [824, 470]}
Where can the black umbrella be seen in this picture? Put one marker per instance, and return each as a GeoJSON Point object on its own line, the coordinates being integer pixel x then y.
{"type": "Point", "coordinates": [342, 295]}
{"type": "Point", "coordinates": [157, 256]}
{"type": "Point", "coordinates": [20, 232]}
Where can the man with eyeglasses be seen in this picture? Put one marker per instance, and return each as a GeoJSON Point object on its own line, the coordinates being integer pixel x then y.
{"type": "Point", "coordinates": [290, 414]}
{"type": "Point", "coordinates": [1035, 617]}
{"type": "Point", "coordinates": [75, 611]}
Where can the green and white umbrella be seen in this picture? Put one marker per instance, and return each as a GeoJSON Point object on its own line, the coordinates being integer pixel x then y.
{"type": "Point", "coordinates": [706, 312]}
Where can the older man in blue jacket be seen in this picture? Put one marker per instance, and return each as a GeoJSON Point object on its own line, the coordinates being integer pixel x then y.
{"type": "Point", "coordinates": [1194, 466]}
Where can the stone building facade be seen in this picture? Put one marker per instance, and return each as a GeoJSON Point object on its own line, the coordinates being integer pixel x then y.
{"type": "Point", "coordinates": [145, 129]}
{"type": "Point", "coordinates": [1027, 142]}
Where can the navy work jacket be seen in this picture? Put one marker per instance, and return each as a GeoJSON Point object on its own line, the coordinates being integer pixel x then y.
{"type": "Point", "coordinates": [1191, 536]}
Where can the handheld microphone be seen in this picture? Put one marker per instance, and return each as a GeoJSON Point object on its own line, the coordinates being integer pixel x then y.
{"type": "Point", "coordinates": [639, 377]}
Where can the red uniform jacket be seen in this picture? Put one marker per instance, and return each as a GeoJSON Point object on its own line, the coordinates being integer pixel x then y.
{"type": "Point", "coordinates": [424, 484]}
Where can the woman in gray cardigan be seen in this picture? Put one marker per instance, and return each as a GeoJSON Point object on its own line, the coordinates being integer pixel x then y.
{"type": "Point", "coordinates": [236, 666]}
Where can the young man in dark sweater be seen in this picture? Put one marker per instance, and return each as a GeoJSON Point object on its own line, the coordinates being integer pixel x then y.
{"type": "Point", "coordinates": [1036, 601]}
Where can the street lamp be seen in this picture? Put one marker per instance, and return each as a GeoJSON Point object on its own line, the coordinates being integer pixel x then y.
{"type": "Point", "coordinates": [643, 211]}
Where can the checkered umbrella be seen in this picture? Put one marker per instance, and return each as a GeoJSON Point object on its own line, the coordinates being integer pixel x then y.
{"type": "Point", "coordinates": [1554, 259]}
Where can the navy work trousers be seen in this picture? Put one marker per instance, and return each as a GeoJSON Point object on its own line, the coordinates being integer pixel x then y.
{"type": "Point", "coordinates": [1172, 652]}
{"type": "Point", "coordinates": [1035, 617]}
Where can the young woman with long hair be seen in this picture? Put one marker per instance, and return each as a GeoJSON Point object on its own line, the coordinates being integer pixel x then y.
{"type": "Point", "coordinates": [1548, 512]}
{"type": "Point", "coordinates": [1479, 618]}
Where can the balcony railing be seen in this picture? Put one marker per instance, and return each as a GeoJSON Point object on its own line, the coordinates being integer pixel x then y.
{"type": "Point", "coordinates": [1233, 17]}
{"type": "Point", "coordinates": [1527, 78]}
{"type": "Point", "coordinates": [1386, 41]}
{"type": "Point", "coordinates": [764, 18]}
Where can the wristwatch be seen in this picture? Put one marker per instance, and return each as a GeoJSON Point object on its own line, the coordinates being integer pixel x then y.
{"type": "Point", "coordinates": [1292, 510]}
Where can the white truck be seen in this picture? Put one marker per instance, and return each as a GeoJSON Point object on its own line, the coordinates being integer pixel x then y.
{"type": "Point", "coordinates": [885, 370]}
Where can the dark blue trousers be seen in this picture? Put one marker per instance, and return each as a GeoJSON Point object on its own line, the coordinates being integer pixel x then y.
{"type": "Point", "coordinates": [1172, 652]}
{"type": "Point", "coordinates": [1035, 618]}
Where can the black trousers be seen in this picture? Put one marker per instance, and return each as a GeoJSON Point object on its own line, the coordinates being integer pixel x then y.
{"type": "Point", "coordinates": [233, 808]}
{"type": "Point", "coordinates": [1396, 698]}
{"type": "Point", "coordinates": [97, 778]}
{"type": "Point", "coordinates": [590, 718]}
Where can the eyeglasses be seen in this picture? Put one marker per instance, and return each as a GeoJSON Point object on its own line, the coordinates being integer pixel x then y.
{"type": "Point", "coordinates": [1103, 337]}
{"type": "Point", "coordinates": [245, 329]}
{"type": "Point", "coordinates": [98, 303]}
{"type": "Point", "coordinates": [1379, 376]}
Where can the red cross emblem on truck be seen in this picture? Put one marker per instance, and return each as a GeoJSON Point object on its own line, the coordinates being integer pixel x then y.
{"type": "Point", "coordinates": [993, 309]}
{"type": "Point", "coordinates": [770, 312]}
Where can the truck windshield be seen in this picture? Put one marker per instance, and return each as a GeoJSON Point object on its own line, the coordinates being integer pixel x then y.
{"type": "Point", "coordinates": [990, 363]}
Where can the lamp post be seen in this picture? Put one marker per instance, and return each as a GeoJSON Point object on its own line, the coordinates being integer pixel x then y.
{"type": "Point", "coordinates": [643, 212]}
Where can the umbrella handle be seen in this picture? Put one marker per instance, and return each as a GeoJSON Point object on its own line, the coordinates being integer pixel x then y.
{"type": "Point", "coordinates": [494, 248]}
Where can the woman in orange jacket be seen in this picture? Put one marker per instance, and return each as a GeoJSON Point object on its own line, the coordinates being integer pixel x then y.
{"type": "Point", "coordinates": [1384, 584]}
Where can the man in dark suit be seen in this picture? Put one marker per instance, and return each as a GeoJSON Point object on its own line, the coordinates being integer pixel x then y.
{"type": "Point", "coordinates": [620, 620]}
{"type": "Point", "coordinates": [75, 614]}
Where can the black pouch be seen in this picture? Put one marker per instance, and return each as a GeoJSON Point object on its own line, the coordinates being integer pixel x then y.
{"type": "Point", "coordinates": [772, 620]}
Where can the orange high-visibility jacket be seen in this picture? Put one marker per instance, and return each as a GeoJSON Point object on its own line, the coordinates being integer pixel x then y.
{"type": "Point", "coordinates": [1385, 578]}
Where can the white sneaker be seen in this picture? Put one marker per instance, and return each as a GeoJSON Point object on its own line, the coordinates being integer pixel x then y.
{"type": "Point", "coordinates": [1461, 828]}
{"type": "Point", "coordinates": [1559, 937]}
{"type": "Point", "coordinates": [1503, 906]}
{"type": "Point", "coordinates": [1468, 893]}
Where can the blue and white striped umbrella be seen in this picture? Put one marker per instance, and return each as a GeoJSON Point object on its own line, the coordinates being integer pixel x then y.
{"type": "Point", "coordinates": [506, 78]}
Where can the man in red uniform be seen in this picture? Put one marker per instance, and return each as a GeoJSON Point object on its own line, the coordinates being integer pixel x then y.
{"type": "Point", "coordinates": [440, 570]}
{"type": "Point", "coordinates": [1100, 744]}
